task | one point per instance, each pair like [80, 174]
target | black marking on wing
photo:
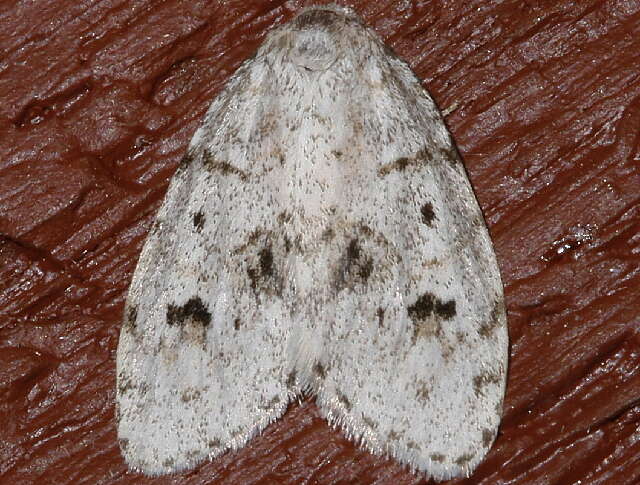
[428, 215]
[223, 167]
[190, 394]
[482, 380]
[198, 220]
[319, 370]
[355, 267]
[487, 327]
[427, 314]
[292, 379]
[356, 261]
[446, 310]
[285, 217]
[487, 437]
[193, 310]
[131, 317]
[328, 234]
[423, 391]
[214, 443]
[428, 304]
[403, 163]
[344, 400]
[185, 161]
[124, 444]
[262, 273]
[380, 315]
[412, 445]
[438, 457]
[262, 255]
[464, 459]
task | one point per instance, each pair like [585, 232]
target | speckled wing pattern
[320, 235]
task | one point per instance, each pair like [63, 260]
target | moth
[320, 236]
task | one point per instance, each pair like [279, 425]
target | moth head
[315, 44]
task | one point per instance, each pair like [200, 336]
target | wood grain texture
[99, 101]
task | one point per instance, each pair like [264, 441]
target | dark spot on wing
[284, 217]
[427, 314]
[344, 400]
[198, 220]
[365, 229]
[262, 273]
[132, 315]
[447, 350]
[412, 445]
[337, 153]
[487, 327]
[237, 323]
[157, 226]
[398, 165]
[185, 161]
[189, 395]
[125, 384]
[438, 457]
[223, 167]
[328, 234]
[481, 381]
[168, 463]
[214, 443]
[380, 314]
[266, 262]
[389, 52]
[355, 267]
[464, 459]
[423, 391]
[292, 379]
[446, 310]
[422, 308]
[193, 310]
[124, 444]
[427, 213]
[253, 237]
[403, 163]
[451, 154]
[487, 437]
[365, 269]
[319, 370]
[353, 251]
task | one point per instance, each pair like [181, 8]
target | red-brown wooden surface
[98, 100]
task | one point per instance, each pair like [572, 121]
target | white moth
[320, 236]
